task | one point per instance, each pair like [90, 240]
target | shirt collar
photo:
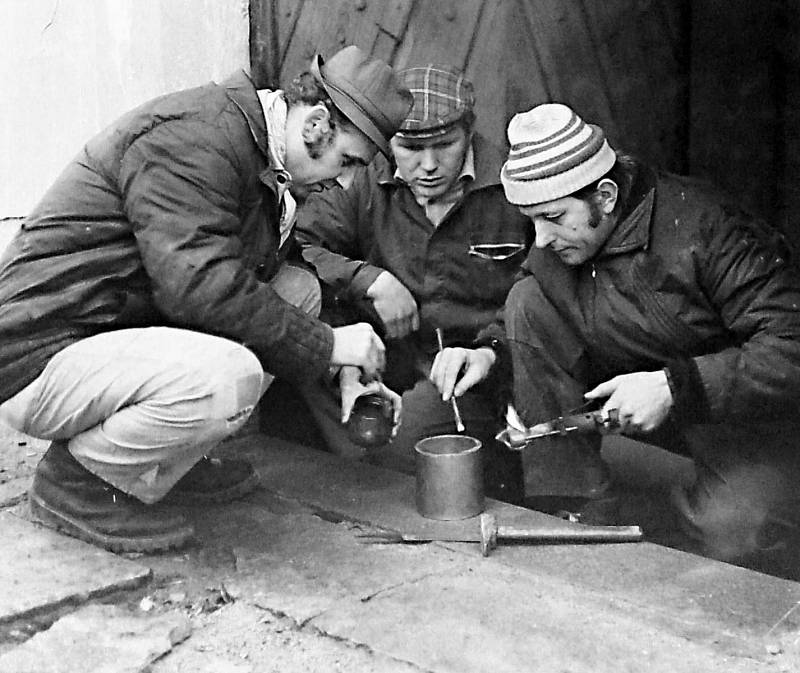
[633, 230]
[275, 109]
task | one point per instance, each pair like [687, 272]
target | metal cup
[371, 421]
[449, 477]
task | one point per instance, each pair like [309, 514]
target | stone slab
[494, 618]
[13, 491]
[691, 597]
[295, 562]
[101, 639]
[312, 565]
[42, 570]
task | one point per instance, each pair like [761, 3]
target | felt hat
[366, 90]
[442, 97]
[553, 153]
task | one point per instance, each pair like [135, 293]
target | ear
[316, 124]
[607, 192]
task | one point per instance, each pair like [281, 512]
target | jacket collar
[487, 156]
[633, 229]
[241, 90]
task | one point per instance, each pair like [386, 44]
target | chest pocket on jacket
[493, 265]
[496, 252]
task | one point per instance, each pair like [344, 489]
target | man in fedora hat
[421, 240]
[147, 303]
[673, 311]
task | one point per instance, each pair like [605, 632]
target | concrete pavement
[281, 581]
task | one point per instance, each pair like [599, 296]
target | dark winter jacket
[689, 282]
[459, 272]
[168, 217]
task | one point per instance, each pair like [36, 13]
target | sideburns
[316, 148]
[596, 213]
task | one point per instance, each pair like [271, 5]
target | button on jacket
[459, 272]
[168, 217]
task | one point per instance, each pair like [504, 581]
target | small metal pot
[449, 477]
[371, 421]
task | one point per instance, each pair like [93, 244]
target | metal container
[371, 421]
[449, 477]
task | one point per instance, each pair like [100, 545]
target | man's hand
[358, 345]
[448, 364]
[395, 305]
[642, 399]
[351, 388]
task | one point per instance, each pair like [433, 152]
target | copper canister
[449, 477]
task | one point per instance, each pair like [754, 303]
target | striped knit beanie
[553, 154]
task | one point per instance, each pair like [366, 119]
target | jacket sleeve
[182, 183]
[330, 230]
[750, 280]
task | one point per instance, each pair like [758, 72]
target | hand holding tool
[488, 533]
[456, 413]
[587, 422]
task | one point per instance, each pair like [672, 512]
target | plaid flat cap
[442, 96]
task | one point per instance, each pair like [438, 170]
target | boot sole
[248, 485]
[76, 528]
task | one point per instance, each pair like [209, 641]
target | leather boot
[214, 480]
[67, 496]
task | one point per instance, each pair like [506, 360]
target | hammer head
[488, 533]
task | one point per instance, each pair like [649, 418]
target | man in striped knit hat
[667, 307]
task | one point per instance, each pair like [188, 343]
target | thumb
[470, 378]
[605, 389]
[348, 401]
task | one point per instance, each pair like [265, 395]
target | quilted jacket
[688, 281]
[167, 217]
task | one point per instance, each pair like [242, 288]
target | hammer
[490, 533]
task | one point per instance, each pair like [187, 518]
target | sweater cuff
[497, 387]
[690, 404]
[363, 280]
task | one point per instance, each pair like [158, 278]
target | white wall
[68, 67]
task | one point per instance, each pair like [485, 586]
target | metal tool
[449, 477]
[459, 424]
[517, 438]
[489, 532]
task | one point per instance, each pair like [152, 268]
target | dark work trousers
[745, 500]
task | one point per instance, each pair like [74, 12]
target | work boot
[67, 496]
[214, 480]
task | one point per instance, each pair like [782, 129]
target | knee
[522, 304]
[241, 385]
[214, 396]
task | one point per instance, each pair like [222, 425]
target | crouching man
[671, 309]
[421, 242]
[146, 302]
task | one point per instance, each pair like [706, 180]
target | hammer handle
[574, 535]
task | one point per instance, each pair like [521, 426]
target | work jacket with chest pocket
[458, 272]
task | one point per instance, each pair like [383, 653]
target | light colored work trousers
[139, 407]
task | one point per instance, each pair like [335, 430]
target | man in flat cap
[425, 240]
[672, 310]
[146, 302]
